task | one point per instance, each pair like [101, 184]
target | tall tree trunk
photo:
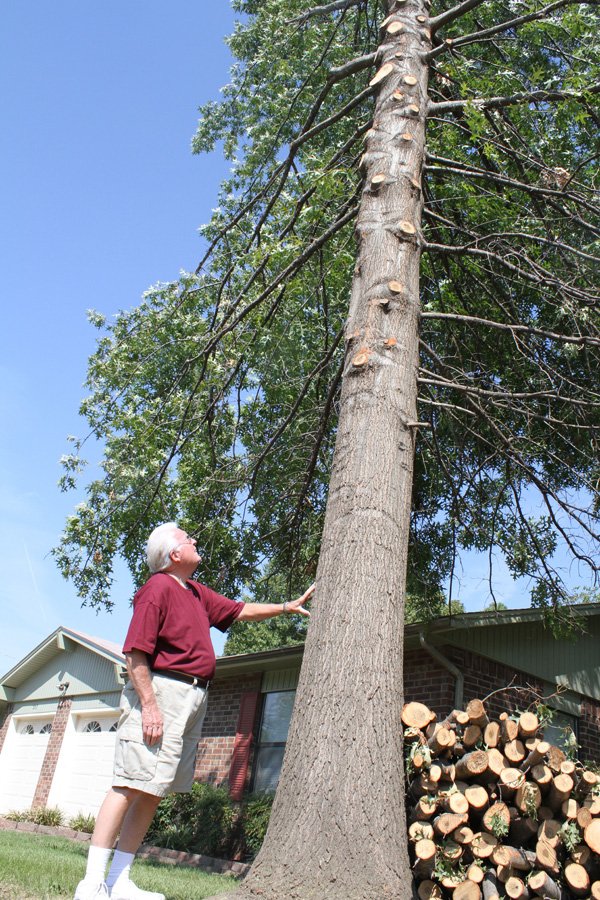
[338, 829]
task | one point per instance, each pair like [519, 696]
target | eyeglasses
[188, 540]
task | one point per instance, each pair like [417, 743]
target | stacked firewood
[494, 810]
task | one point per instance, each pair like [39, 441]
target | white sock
[119, 870]
[97, 862]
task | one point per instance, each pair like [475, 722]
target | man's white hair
[159, 546]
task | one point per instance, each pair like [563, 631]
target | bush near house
[83, 822]
[52, 815]
[207, 821]
[39, 815]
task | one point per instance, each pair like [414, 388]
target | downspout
[459, 683]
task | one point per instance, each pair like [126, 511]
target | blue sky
[101, 198]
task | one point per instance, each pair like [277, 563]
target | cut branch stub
[404, 230]
[378, 180]
[390, 342]
[412, 109]
[395, 287]
[406, 136]
[409, 79]
[384, 71]
[395, 28]
[380, 301]
[361, 358]
[398, 95]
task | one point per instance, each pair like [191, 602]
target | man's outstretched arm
[256, 612]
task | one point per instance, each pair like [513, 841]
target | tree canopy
[401, 264]
[216, 399]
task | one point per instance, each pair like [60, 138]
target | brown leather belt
[194, 680]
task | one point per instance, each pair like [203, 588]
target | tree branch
[453, 43]
[451, 14]
[512, 100]
[525, 329]
[324, 10]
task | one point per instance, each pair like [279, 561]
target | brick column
[59, 724]
[5, 724]
[589, 730]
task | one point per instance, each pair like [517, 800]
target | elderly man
[170, 662]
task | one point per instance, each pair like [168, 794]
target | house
[447, 662]
[59, 706]
[59, 709]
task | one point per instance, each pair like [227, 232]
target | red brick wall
[59, 723]
[589, 731]
[483, 676]
[5, 724]
[218, 734]
[425, 680]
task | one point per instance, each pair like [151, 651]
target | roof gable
[89, 665]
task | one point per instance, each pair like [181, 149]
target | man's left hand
[297, 606]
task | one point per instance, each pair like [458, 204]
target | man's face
[185, 549]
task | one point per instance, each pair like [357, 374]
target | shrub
[255, 819]
[83, 822]
[39, 815]
[17, 815]
[47, 815]
[207, 821]
[199, 822]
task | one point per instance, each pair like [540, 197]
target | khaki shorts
[168, 765]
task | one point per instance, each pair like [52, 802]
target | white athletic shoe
[91, 890]
[130, 891]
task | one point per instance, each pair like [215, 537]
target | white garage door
[85, 764]
[21, 761]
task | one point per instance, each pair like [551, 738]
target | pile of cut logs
[494, 810]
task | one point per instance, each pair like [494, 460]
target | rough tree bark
[337, 828]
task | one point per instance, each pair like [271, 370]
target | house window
[272, 735]
[113, 727]
[28, 729]
[562, 731]
[46, 729]
[93, 726]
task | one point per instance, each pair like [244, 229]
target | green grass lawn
[40, 867]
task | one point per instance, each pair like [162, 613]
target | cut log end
[591, 835]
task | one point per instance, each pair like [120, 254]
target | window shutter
[243, 741]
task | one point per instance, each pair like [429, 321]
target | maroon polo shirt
[172, 625]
